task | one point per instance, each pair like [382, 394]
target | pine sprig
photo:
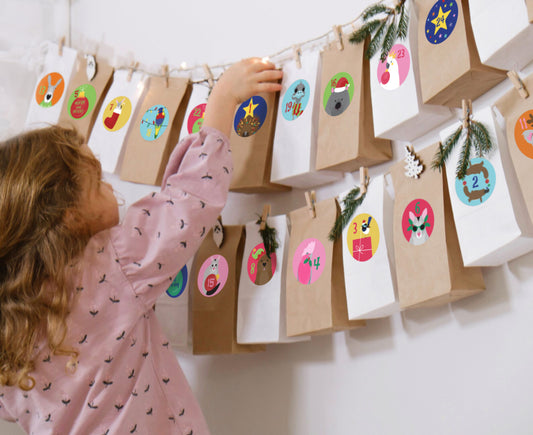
[375, 9]
[464, 159]
[269, 237]
[445, 151]
[403, 24]
[350, 203]
[388, 41]
[482, 137]
[364, 31]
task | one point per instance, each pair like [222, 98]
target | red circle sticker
[196, 118]
[417, 222]
[260, 266]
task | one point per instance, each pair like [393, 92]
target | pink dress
[128, 380]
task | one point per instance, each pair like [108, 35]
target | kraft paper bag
[515, 115]
[345, 126]
[316, 297]
[172, 309]
[429, 266]
[397, 107]
[529, 5]
[368, 255]
[114, 118]
[294, 152]
[49, 96]
[194, 115]
[502, 31]
[251, 138]
[483, 200]
[450, 68]
[155, 130]
[85, 95]
[261, 315]
[215, 279]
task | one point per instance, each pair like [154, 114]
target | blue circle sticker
[295, 100]
[154, 122]
[441, 21]
[250, 116]
[478, 184]
[178, 285]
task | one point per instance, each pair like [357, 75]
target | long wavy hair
[42, 176]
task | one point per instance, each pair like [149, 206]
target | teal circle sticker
[81, 101]
[338, 94]
[154, 122]
[177, 287]
[295, 100]
[478, 184]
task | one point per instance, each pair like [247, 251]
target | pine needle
[464, 158]
[350, 204]
[481, 137]
[375, 41]
[388, 42]
[364, 32]
[403, 25]
[374, 10]
[446, 149]
[269, 237]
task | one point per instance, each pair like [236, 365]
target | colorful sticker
[117, 113]
[523, 133]
[250, 116]
[363, 237]
[417, 222]
[260, 267]
[295, 100]
[196, 118]
[308, 262]
[478, 184]
[81, 101]
[393, 72]
[50, 90]
[177, 287]
[441, 21]
[213, 275]
[338, 94]
[154, 122]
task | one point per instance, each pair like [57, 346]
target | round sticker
[523, 133]
[117, 113]
[154, 122]
[478, 184]
[178, 285]
[50, 90]
[363, 237]
[81, 101]
[417, 222]
[250, 116]
[196, 118]
[338, 94]
[308, 261]
[393, 72]
[295, 100]
[213, 275]
[441, 21]
[260, 267]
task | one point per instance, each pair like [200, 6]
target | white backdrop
[460, 369]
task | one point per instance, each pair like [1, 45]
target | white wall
[459, 369]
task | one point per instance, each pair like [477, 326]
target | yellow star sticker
[250, 109]
[440, 21]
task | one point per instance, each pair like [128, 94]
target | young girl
[81, 351]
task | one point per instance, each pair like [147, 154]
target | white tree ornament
[413, 167]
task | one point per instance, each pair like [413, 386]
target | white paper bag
[489, 211]
[114, 119]
[172, 310]
[294, 149]
[194, 114]
[397, 106]
[368, 256]
[49, 96]
[261, 305]
[503, 33]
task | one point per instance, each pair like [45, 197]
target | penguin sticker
[213, 275]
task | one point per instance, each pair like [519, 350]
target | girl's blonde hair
[42, 174]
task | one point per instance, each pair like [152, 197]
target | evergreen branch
[464, 159]
[481, 137]
[403, 23]
[375, 41]
[350, 204]
[375, 9]
[444, 151]
[365, 31]
[269, 237]
[388, 42]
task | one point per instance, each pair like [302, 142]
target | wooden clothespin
[363, 179]
[518, 84]
[337, 33]
[209, 75]
[61, 45]
[218, 232]
[467, 112]
[297, 51]
[310, 199]
[264, 216]
[164, 70]
[134, 65]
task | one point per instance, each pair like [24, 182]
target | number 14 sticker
[308, 261]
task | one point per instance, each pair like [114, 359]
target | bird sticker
[154, 122]
[363, 237]
[213, 275]
[394, 70]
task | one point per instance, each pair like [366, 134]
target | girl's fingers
[269, 75]
[268, 87]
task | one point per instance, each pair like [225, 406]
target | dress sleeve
[161, 231]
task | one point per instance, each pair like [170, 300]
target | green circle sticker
[81, 101]
[338, 94]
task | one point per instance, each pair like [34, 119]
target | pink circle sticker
[417, 222]
[308, 261]
[260, 267]
[213, 275]
[393, 71]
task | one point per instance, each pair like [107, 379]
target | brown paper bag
[155, 130]
[251, 138]
[84, 96]
[345, 126]
[518, 114]
[529, 5]
[214, 283]
[429, 264]
[316, 297]
[450, 68]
